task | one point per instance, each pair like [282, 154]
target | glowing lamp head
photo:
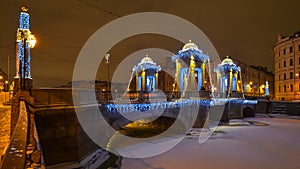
[31, 41]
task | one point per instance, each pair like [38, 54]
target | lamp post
[107, 61]
[29, 41]
[25, 41]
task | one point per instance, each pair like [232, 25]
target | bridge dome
[227, 61]
[146, 59]
[190, 45]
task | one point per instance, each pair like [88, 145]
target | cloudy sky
[245, 30]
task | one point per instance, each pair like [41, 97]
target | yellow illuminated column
[203, 73]
[143, 80]
[236, 81]
[156, 80]
[178, 67]
[136, 82]
[218, 81]
[191, 80]
[229, 90]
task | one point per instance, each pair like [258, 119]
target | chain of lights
[198, 55]
[228, 67]
[155, 106]
[173, 105]
[146, 66]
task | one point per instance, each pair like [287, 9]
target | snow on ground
[5, 127]
[273, 146]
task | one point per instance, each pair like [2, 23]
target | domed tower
[190, 63]
[146, 75]
[229, 79]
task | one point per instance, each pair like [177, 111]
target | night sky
[245, 30]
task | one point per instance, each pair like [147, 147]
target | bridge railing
[15, 154]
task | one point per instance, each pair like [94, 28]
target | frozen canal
[275, 146]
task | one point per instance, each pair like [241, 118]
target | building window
[291, 62]
[291, 75]
[291, 49]
[299, 60]
[299, 47]
[291, 87]
[279, 64]
[284, 76]
[278, 77]
[283, 51]
[284, 88]
[278, 88]
[284, 63]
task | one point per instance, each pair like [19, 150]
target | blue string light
[146, 66]
[183, 54]
[142, 107]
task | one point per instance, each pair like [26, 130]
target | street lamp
[107, 61]
[28, 40]
[25, 41]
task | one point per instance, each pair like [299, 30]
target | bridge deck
[5, 127]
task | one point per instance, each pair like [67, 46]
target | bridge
[46, 129]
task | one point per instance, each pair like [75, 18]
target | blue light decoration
[24, 19]
[228, 67]
[242, 101]
[187, 52]
[146, 64]
[198, 75]
[151, 83]
[25, 41]
[233, 84]
[142, 107]
[267, 91]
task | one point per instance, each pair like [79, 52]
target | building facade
[256, 80]
[287, 67]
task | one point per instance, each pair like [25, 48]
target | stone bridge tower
[229, 81]
[191, 64]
